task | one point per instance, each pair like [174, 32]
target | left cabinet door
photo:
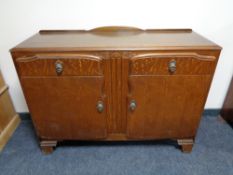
[65, 95]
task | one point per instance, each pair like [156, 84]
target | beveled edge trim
[58, 56]
[115, 29]
[175, 55]
[3, 89]
[151, 48]
[170, 30]
[59, 31]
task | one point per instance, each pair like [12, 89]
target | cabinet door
[167, 102]
[68, 103]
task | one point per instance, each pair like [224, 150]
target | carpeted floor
[212, 154]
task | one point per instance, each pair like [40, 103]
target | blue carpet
[212, 154]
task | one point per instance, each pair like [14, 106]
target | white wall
[211, 18]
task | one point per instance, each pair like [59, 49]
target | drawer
[60, 65]
[171, 63]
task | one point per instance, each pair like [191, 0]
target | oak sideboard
[116, 83]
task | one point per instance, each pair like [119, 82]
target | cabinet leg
[47, 146]
[186, 145]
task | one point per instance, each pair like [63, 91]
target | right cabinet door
[167, 93]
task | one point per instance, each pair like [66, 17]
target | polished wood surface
[69, 108]
[74, 65]
[158, 63]
[122, 39]
[167, 73]
[115, 29]
[9, 119]
[227, 108]
[168, 96]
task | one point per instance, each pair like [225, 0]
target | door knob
[172, 66]
[59, 67]
[132, 105]
[100, 106]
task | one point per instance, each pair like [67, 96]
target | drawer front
[60, 65]
[172, 63]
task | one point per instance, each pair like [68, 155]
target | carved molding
[115, 29]
[59, 56]
[175, 55]
[74, 64]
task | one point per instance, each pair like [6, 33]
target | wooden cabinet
[9, 119]
[116, 83]
[227, 108]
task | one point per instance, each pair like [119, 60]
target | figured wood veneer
[157, 63]
[103, 71]
[74, 65]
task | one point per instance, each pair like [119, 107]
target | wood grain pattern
[118, 120]
[167, 106]
[116, 65]
[115, 39]
[157, 63]
[74, 64]
[69, 108]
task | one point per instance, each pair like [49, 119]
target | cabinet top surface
[122, 39]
